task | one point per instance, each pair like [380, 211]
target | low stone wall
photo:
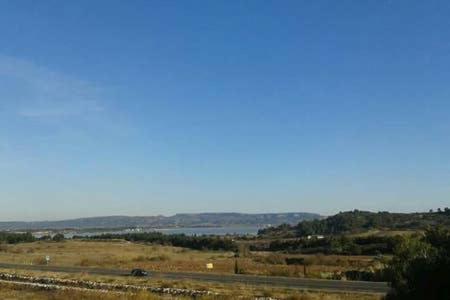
[54, 283]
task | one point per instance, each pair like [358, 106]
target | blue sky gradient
[159, 107]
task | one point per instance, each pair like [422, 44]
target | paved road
[272, 281]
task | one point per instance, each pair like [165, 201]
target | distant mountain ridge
[178, 220]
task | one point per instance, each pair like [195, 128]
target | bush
[58, 237]
[14, 238]
[420, 267]
[295, 261]
[360, 275]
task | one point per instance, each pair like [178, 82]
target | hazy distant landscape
[178, 220]
[358, 250]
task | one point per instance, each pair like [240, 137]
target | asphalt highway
[267, 281]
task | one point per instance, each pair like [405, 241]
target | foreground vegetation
[420, 267]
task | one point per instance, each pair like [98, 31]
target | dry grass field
[126, 255]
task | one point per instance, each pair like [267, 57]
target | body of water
[232, 230]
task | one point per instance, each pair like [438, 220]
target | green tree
[58, 237]
[420, 267]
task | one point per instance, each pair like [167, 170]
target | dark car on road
[139, 273]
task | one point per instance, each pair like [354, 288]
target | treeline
[343, 245]
[177, 240]
[14, 238]
[359, 221]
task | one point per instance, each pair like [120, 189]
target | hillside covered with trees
[357, 221]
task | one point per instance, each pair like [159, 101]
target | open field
[126, 255]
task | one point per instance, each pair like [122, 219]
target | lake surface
[235, 230]
[212, 230]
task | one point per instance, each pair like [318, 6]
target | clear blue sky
[159, 107]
